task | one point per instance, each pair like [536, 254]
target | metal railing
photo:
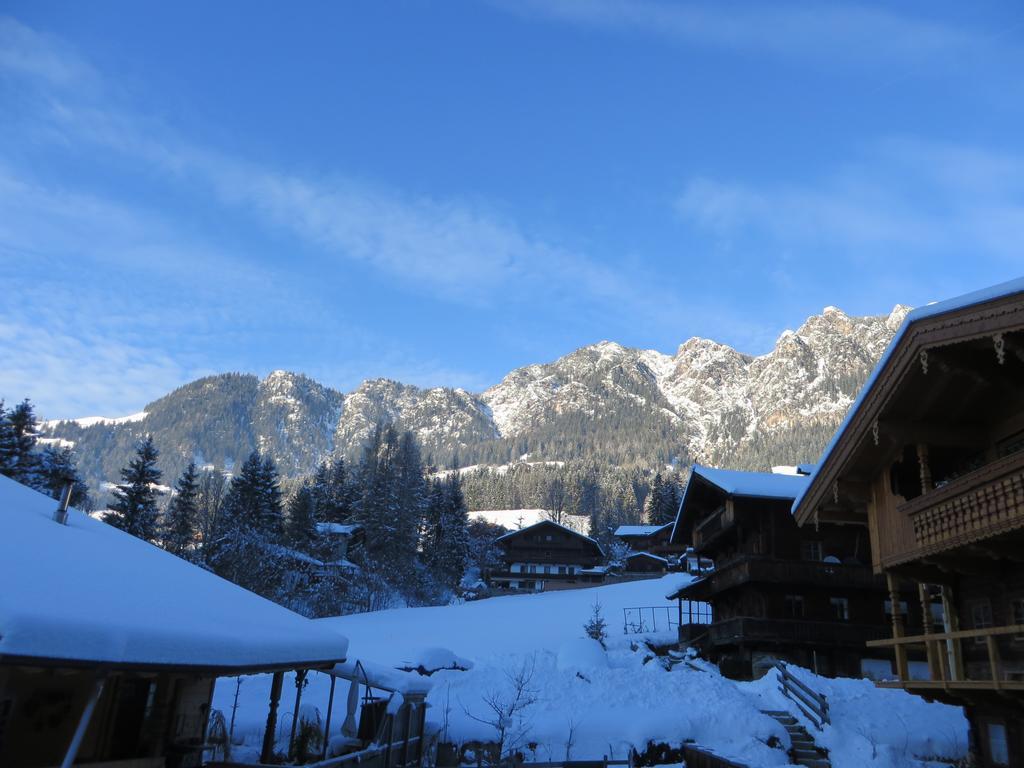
[656, 618]
[813, 704]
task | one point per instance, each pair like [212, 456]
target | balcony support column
[926, 471]
[902, 669]
[931, 649]
[954, 655]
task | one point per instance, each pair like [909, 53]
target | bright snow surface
[612, 700]
[760, 484]
[86, 591]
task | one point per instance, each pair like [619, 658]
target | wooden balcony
[978, 505]
[712, 526]
[945, 661]
[793, 631]
[754, 568]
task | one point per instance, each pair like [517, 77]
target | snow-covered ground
[591, 702]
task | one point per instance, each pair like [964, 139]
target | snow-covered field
[591, 702]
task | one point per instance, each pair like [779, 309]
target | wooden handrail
[963, 634]
[813, 704]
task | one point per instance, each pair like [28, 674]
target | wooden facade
[546, 556]
[930, 462]
[777, 591]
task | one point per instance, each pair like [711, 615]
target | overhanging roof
[804, 504]
[88, 594]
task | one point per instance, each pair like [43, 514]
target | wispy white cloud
[836, 31]
[904, 197]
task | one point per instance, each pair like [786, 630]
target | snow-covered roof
[766, 485]
[337, 528]
[640, 530]
[557, 525]
[934, 309]
[646, 554]
[88, 593]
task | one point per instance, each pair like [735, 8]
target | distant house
[656, 539]
[547, 556]
[110, 647]
[339, 538]
[778, 592]
[645, 562]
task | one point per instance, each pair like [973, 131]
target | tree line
[345, 538]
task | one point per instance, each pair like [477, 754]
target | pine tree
[25, 429]
[300, 526]
[245, 544]
[445, 544]
[134, 509]
[181, 521]
[8, 443]
[57, 469]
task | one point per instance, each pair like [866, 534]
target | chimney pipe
[61, 515]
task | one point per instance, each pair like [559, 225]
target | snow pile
[870, 725]
[431, 660]
[582, 655]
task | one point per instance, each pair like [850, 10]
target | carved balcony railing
[746, 629]
[981, 504]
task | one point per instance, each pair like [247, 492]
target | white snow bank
[90, 421]
[86, 591]
[582, 655]
[874, 726]
[497, 625]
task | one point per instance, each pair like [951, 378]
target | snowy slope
[611, 701]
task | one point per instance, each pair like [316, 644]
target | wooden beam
[902, 668]
[267, 755]
[913, 432]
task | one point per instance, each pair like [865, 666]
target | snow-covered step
[804, 750]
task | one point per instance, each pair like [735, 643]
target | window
[981, 617]
[532, 568]
[561, 570]
[515, 568]
[888, 608]
[1017, 615]
[572, 570]
[840, 608]
[810, 550]
[513, 585]
[795, 606]
[998, 749]
[547, 569]
[548, 537]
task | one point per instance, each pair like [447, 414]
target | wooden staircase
[804, 752]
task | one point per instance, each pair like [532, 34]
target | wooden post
[902, 669]
[994, 662]
[934, 670]
[926, 471]
[267, 755]
[953, 647]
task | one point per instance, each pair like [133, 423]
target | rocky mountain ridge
[604, 402]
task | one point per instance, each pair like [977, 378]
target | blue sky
[441, 192]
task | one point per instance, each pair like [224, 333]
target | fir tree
[445, 544]
[181, 521]
[57, 469]
[8, 443]
[134, 509]
[25, 429]
[300, 526]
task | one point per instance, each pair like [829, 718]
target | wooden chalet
[645, 562]
[777, 592]
[110, 647]
[546, 556]
[930, 463]
[656, 539]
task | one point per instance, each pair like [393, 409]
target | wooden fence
[813, 704]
